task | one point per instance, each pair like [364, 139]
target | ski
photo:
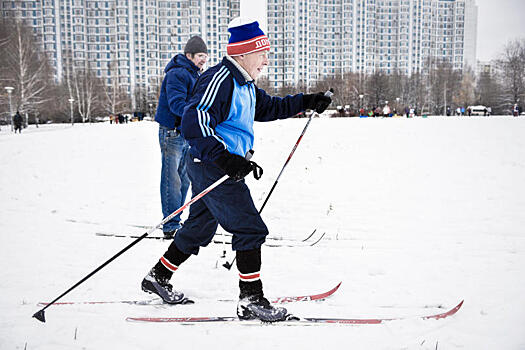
[281, 242]
[158, 301]
[275, 238]
[117, 235]
[307, 244]
[293, 320]
[100, 224]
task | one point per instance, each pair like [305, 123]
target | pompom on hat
[246, 37]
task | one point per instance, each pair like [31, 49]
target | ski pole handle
[329, 93]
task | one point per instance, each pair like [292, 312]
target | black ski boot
[156, 285]
[169, 234]
[258, 307]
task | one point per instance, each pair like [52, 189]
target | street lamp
[150, 109]
[71, 100]
[9, 90]
[397, 104]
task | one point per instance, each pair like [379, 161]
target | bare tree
[397, 89]
[25, 67]
[345, 89]
[86, 89]
[489, 92]
[116, 99]
[350, 91]
[512, 66]
[377, 88]
[416, 91]
[465, 95]
[443, 82]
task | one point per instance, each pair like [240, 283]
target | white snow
[418, 213]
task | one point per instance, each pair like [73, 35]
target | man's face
[254, 63]
[198, 59]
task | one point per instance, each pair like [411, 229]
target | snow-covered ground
[418, 213]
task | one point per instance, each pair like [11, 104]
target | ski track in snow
[418, 213]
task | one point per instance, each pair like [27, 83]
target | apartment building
[312, 39]
[130, 41]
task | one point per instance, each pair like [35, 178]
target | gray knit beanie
[195, 45]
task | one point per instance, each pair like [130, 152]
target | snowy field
[419, 214]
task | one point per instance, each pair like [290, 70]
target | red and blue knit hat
[246, 37]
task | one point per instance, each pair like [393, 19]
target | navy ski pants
[230, 204]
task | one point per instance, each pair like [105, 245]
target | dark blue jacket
[221, 112]
[175, 92]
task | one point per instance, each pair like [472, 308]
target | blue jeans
[230, 204]
[174, 181]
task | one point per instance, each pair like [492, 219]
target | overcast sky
[498, 22]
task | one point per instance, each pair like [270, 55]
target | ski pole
[328, 93]
[286, 162]
[39, 315]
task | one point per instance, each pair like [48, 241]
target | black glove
[237, 167]
[317, 101]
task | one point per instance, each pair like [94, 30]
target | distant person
[489, 111]
[386, 111]
[18, 121]
[448, 112]
[516, 110]
[181, 74]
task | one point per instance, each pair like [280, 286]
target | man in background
[181, 73]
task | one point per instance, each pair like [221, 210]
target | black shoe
[154, 285]
[169, 234]
[258, 307]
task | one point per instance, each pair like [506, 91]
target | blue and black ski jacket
[224, 105]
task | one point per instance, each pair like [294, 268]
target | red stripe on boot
[250, 277]
[168, 265]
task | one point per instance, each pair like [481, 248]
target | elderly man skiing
[218, 124]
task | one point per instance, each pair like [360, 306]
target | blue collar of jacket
[237, 74]
[180, 60]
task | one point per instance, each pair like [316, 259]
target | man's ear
[189, 56]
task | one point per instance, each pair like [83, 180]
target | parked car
[478, 110]
[102, 119]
